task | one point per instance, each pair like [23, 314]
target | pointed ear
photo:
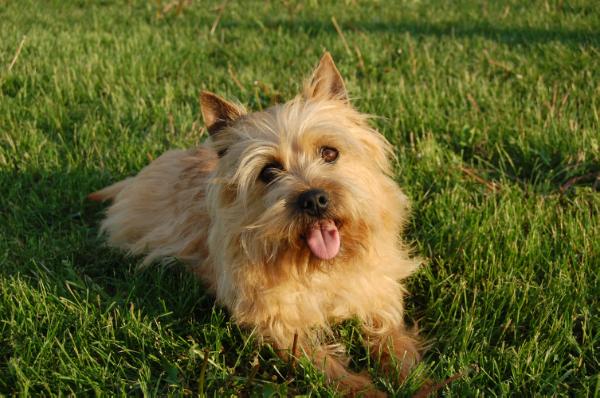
[217, 112]
[326, 81]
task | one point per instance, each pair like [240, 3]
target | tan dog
[290, 217]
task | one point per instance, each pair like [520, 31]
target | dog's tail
[109, 192]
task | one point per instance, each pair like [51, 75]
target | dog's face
[306, 182]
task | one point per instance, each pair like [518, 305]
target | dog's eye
[270, 171]
[329, 154]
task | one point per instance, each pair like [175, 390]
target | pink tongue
[324, 240]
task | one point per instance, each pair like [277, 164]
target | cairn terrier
[292, 220]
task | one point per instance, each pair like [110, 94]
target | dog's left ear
[326, 81]
[217, 112]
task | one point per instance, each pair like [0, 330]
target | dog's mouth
[323, 239]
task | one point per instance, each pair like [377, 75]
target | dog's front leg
[396, 348]
[334, 365]
[333, 362]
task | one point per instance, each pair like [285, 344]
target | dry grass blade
[17, 53]
[341, 34]
[574, 180]
[221, 9]
[491, 186]
[293, 356]
[234, 78]
[429, 389]
[473, 103]
[178, 5]
[361, 62]
[201, 380]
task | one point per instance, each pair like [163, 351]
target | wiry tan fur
[243, 238]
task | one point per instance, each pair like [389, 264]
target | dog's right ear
[217, 113]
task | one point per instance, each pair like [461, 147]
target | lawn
[493, 108]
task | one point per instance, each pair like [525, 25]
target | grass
[493, 108]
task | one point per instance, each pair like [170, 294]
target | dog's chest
[335, 296]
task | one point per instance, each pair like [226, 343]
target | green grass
[493, 108]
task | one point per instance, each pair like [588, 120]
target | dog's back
[161, 212]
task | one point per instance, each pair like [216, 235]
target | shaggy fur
[247, 240]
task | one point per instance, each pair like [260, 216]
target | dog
[291, 219]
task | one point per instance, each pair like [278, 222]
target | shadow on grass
[467, 29]
[545, 168]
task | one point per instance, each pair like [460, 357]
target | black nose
[313, 202]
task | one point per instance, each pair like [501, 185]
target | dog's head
[304, 183]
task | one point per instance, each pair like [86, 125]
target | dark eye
[270, 171]
[329, 154]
